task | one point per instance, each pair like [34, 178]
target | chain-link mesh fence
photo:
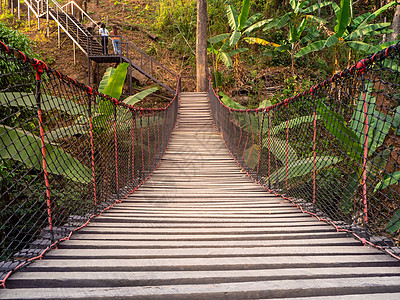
[67, 153]
[333, 150]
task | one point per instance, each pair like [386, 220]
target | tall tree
[201, 46]
[396, 25]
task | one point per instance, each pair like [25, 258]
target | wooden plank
[256, 289]
[213, 263]
[208, 252]
[207, 237]
[201, 231]
[123, 244]
[99, 279]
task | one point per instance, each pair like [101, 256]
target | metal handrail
[72, 3]
[132, 45]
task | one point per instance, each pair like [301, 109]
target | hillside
[256, 75]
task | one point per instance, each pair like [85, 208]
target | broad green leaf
[346, 201]
[230, 102]
[237, 51]
[379, 126]
[225, 46]
[316, 19]
[131, 100]
[388, 181]
[244, 14]
[257, 25]
[334, 123]
[357, 21]
[106, 78]
[264, 104]
[331, 41]
[343, 18]
[311, 35]
[233, 19]
[25, 147]
[116, 82]
[252, 19]
[378, 163]
[251, 155]
[293, 123]
[303, 167]
[316, 6]
[357, 124]
[68, 131]
[253, 40]
[361, 46]
[366, 30]
[377, 13]
[226, 59]
[318, 45]
[294, 4]
[300, 29]
[235, 37]
[336, 8]
[219, 38]
[394, 224]
[280, 149]
[48, 102]
[271, 24]
[396, 121]
[283, 20]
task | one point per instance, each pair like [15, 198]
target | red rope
[314, 153]
[365, 158]
[259, 141]
[46, 175]
[116, 149]
[141, 136]
[133, 146]
[148, 138]
[93, 162]
[287, 153]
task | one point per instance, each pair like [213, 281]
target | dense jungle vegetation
[258, 49]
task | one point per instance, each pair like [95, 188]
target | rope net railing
[67, 153]
[333, 150]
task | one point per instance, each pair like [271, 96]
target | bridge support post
[201, 46]
[47, 19]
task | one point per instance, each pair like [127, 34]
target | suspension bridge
[297, 200]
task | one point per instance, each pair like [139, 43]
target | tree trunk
[396, 25]
[77, 13]
[201, 46]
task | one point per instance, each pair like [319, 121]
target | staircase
[90, 45]
[199, 228]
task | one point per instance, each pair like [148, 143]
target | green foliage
[388, 181]
[131, 100]
[302, 167]
[230, 102]
[394, 224]
[15, 39]
[298, 21]
[116, 81]
[25, 147]
[351, 32]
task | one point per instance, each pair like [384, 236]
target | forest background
[260, 51]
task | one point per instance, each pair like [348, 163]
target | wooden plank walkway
[199, 228]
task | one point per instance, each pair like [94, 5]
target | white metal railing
[42, 7]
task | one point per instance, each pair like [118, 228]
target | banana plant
[225, 46]
[281, 150]
[299, 20]
[351, 32]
